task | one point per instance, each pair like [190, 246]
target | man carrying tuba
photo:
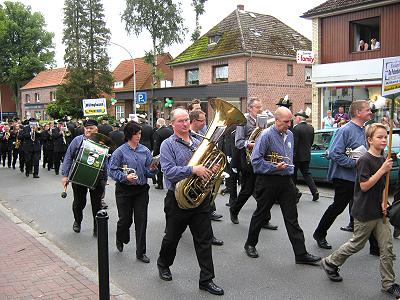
[175, 153]
[243, 143]
[31, 147]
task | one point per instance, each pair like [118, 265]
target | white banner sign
[94, 107]
[305, 57]
[391, 76]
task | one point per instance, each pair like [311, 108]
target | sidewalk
[30, 270]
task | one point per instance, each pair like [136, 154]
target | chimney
[240, 7]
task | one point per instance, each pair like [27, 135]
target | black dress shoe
[298, 196]
[35, 176]
[76, 227]
[120, 245]
[321, 242]
[164, 273]
[308, 259]
[211, 287]
[216, 242]
[270, 226]
[215, 217]
[143, 258]
[251, 251]
[347, 228]
[315, 197]
[26, 174]
[159, 187]
[234, 218]
[227, 204]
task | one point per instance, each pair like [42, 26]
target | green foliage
[199, 10]
[25, 45]
[86, 38]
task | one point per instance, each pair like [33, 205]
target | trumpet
[7, 135]
[263, 121]
[274, 158]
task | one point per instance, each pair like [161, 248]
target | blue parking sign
[141, 97]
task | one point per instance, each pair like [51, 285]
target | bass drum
[86, 167]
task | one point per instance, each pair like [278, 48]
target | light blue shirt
[271, 140]
[139, 159]
[174, 157]
[340, 165]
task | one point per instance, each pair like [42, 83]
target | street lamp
[134, 75]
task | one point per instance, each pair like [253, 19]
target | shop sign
[94, 107]
[305, 57]
[391, 76]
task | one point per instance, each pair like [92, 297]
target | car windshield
[322, 140]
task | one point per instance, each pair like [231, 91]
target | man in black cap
[59, 138]
[32, 148]
[80, 191]
[303, 139]
[104, 127]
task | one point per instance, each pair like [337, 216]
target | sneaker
[394, 290]
[331, 270]
[396, 232]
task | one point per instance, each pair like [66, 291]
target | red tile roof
[52, 77]
[124, 72]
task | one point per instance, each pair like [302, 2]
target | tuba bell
[192, 191]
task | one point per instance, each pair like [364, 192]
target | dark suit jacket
[118, 137]
[105, 129]
[160, 135]
[28, 144]
[303, 134]
[58, 141]
[147, 136]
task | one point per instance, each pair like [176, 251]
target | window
[53, 96]
[27, 98]
[37, 99]
[119, 112]
[214, 39]
[362, 32]
[192, 77]
[289, 70]
[220, 74]
[322, 140]
[307, 74]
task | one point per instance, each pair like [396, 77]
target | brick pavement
[29, 270]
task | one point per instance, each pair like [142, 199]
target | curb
[84, 271]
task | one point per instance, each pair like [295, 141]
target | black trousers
[79, 202]
[246, 191]
[200, 226]
[159, 177]
[132, 200]
[48, 159]
[32, 161]
[15, 153]
[271, 188]
[6, 153]
[57, 158]
[344, 193]
[303, 166]
[21, 159]
[231, 185]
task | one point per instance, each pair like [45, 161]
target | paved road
[274, 275]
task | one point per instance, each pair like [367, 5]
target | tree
[85, 37]
[161, 18]
[199, 10]
[25, 46]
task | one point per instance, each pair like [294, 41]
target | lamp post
[134, 75]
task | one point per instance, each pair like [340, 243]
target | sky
[288, 11]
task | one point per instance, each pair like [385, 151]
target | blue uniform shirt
[174, 157]
[71, 154]
[138, 159]
[271, 140]
[340, 165]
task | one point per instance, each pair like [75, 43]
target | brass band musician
[31, 147]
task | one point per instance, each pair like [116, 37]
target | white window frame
[119, 112]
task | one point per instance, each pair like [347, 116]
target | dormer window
[214, 39]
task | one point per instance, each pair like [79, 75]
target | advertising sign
[305, 57]
[391, 76]
[94, 107]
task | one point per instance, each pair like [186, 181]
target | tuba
[263, 121]
[191, 192]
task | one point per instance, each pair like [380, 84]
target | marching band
[193, 165]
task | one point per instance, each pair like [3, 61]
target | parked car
[322, 140]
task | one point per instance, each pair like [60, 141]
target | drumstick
[64, 194]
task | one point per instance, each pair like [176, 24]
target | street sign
[141, 97]
[391, 76]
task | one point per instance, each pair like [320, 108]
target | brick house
[8, 109]
[342, 72]
[39, 92]
[245, 55]
[123, 83]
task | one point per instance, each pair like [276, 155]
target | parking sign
[141, 97]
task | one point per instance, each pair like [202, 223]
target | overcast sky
[288, 11]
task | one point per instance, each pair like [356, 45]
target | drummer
[80, 191]
[130, 166]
